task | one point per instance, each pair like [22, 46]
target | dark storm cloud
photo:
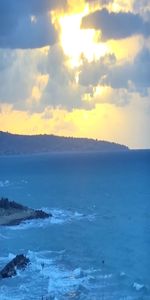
[16, 28]
[29, 6]
[92, 73]
[61, 90]
[137, 73]
[134, 76]
[116, 25]
[17, 76]
[19, 73]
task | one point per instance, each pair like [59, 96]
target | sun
[79, 43]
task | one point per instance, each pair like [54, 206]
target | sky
[76, 68]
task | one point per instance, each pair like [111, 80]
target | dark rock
[6, 204]
[36, 214]
[40, 214]
[12, 213]
[17, 263]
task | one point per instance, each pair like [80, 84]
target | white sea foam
[3, 237]
[4, 183]
[5, 295]
[47, 276]
[6, 259]
[122, 274]
[59, 217]
[138, 286]
[64, 283]
[8, 183]
[66, 216]
[63, 216]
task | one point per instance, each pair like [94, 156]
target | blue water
[97, 244]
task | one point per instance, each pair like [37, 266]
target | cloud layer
[133, 76]
[45, 93]
[116, 25]
[27, 24]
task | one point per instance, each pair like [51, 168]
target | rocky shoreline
[20, 262]
[12, 213]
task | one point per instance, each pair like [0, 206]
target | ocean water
[97, 244]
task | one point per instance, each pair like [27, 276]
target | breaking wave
[58, 217]
[48, 276]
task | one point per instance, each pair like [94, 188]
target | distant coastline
[14, 144]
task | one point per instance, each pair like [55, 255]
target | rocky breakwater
[12, 213]
[20, 262]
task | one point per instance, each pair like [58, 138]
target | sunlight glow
[78, 44]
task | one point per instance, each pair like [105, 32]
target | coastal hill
[34, 144]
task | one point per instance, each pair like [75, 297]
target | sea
[96, 246]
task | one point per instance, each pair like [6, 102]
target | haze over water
[96, 245]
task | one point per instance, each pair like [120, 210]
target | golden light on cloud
[105, 121]
[121, 5]
[78, 43]
[126, 49]
[79, 122]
